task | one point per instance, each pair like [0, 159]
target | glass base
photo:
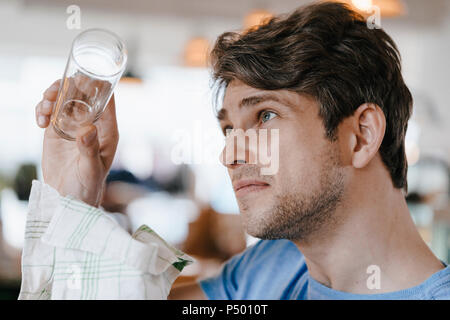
[61, 133]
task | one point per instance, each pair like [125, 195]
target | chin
[255, 220]
[260, 232]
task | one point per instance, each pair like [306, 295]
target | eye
[267, 115]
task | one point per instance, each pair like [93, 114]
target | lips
[243, 187]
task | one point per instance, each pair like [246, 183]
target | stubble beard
[297, 216]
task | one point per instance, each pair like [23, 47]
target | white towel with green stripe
[76, 251]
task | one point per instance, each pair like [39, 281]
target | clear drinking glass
[96, 63]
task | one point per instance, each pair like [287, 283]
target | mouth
[244, 187]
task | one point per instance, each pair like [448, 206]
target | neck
[375, 228]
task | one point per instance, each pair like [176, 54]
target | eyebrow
[249, 102]
[254, 100]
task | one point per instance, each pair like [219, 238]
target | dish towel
[76, 251]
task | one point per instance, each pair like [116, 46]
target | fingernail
[87, 139]
[42, 120]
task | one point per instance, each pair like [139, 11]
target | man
[333, 217]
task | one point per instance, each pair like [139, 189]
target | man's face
[301, 195]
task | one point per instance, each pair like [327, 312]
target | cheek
[300, 161]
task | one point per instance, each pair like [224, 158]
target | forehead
[237, 91]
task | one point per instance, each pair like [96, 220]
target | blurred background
[166, 173]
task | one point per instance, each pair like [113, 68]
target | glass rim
[115, 37]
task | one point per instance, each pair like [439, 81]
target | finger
[42, 119]
[88, 145]
[108, 132]
[107, 124]
[45, 107]
[52, 91]
[108, 117]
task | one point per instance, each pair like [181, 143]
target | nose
[229, 160]
[240, 148]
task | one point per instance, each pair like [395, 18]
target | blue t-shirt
[276, 270]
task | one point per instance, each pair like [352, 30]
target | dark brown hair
[327, 51]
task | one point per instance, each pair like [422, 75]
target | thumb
[87, 142]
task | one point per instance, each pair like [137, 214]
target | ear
[368, 126]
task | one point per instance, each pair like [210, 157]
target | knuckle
[47, 106]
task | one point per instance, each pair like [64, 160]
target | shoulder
[264, 269]
[439, 288]
[261, 258]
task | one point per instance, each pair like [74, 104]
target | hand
[78, 168]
